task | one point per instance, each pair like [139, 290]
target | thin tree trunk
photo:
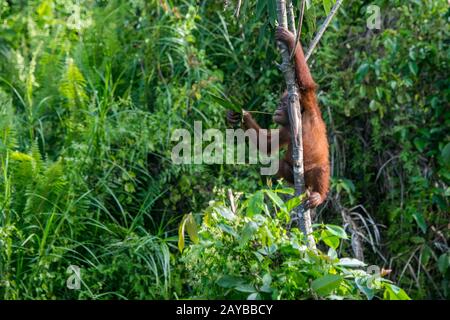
[295, 120]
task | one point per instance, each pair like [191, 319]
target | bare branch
[291, 16]
[322, 29]
[300, 25]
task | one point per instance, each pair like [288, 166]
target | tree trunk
[303, 216]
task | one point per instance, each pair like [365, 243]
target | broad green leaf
[337, 231]
[426, 255]
[267, 281]
[255, 204]
[226, 103]
[228, 229]
[254, 296]
[370, 293]
[332, 253]
[268, 250]
[327, 4]
[418, 216]
[393, 292]
[276, 199]
[351, 263]
[293, 203]
[417, 240]
[445, 154]
[413, 68]
[326, 284]
[225, 212]
[330, 239]
[181, 234]
[243, 287]
[420, 144]
[228, 281]
[443, 262]
[362, 72]
[191, 228]
[247, 232]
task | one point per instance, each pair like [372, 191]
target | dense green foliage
[89, 99]
[249, 255]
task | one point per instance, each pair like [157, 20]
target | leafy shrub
[249, 254]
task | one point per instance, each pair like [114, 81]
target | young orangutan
[315, 144]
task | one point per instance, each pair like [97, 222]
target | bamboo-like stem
[291, 17]
[299, 29]
[322, 29]
[295, 121]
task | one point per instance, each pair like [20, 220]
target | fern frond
[73, 85]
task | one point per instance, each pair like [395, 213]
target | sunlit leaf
[337, 231]
[393, 292]
[326, 284]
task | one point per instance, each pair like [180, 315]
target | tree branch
[291, 16]
[322, 29]
[299, 29]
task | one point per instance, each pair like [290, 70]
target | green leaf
[370, 293]
[337, 231]
[417, 240]
[191, 228]
[351, 263]
[393, 292]
[413, 68]
[267, 281]
[418, 216]
[285, 191]
[228, 229]
[247, 232]
[255, 204]
[362, 72]
[225, 212]
[330, 240]
[426, 255]
[420, 144]
[326, 284]
[443, 263]
[226, 103]
[445, 154]
[181, 234]
[228, 281]
[267, 251]
[243, 287]
[293, 203]
[276, 199]
[254, 296]
[327, 4]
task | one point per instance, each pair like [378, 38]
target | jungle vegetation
[91, 91]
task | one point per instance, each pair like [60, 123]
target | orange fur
[315, 144]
